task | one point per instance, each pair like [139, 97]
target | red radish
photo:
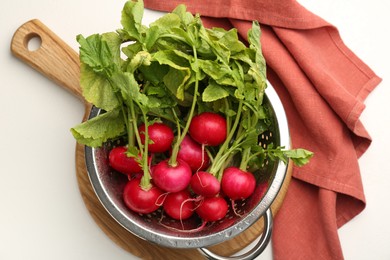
[237, 184]
[160, 135]
[208, 128]
[172, 178]
[122, 163]
[179, 205]
[205, 184]
[212, 209]
[192, 153]
[139, 200]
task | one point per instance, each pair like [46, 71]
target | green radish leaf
[96, 53]
[299, 156]
[131, 21]
[154, 73]
[132, 49]
[258, 68]
[160, 97]
[97, 89]
[129, 88]
[218, 48]
[180, 37]
[141, 58]
[221, 73]
[160, 27]
[113, 41]
[98, 130]
[172, 58]
[178, 73]
[175, 81]
[214, 92]
[231, 41]
[185, 17]
[254, 35]
[251, 139]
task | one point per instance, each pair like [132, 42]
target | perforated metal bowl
[108, 186]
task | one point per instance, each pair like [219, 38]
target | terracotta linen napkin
[322, 85]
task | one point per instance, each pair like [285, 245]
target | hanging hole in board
[33, 42]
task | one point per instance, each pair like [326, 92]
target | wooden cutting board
[60, 63]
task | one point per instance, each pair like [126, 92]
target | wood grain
[54, 58]
[60, 63]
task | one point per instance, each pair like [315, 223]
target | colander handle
[255, 251]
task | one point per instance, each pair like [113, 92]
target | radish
[160, 135]
[208, 128]
[194, 154]
[237, 184]
[122, 163]
[172, 178]
[205, 184]
[212, 209]
[140, 200]
[179, 205]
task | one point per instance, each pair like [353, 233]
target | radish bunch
[182, 186]
[187, 102]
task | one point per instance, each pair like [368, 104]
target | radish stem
[145, 180]
[176, 147]
[221, 155]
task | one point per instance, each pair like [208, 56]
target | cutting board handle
[53, 58]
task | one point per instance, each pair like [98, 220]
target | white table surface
[42, 213]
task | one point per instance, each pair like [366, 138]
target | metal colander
[109, 185]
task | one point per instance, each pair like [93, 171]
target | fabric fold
[281, 13]
[322, 85]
